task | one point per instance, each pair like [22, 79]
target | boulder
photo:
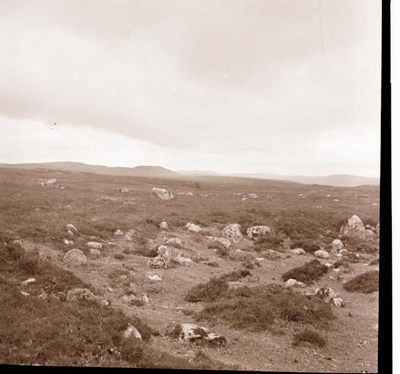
[78, 294]
[68, 242]
[194, 333]
[292, 283]
[325, 293]
[232, 232]
[163, 259]
[161, 193]
[337, 246]
[132, 331]
[337, 301]
[353, 228]
[163, 225]
[94, 245]
[46, 182]
[75, 257]
[252, 196]
[174, 242]
[321, 254]
[224, 242]
[256, 232]
[193, 227]
[298, 251]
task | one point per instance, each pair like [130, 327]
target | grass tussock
[308, 273]
[365, 283]
[309, 336]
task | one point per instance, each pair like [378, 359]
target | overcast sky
[269, 86]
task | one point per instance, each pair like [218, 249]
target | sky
[257, 86]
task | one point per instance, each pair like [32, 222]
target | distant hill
[338, 180]
[138, 171]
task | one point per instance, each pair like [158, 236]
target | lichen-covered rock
[232, 232]
[75, 257]
[195, 334]
[355, 228]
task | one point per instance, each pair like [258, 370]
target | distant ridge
[138, 171]
[337, 180]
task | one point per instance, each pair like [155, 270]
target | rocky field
[211, 273]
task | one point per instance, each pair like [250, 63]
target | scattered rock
[194, 333]
[298, 251]
[75, 257]
[94, 245]
[321, 254]
[179, 259]
[163, 225]
[46, 182]
[163, 259]
[118, 233]
[252, 196]
[244, 198]
[162, 193]
[377, 229]
[153, 277]
[193, 227]
[329, 295]
[292, 283]
[23, 293]
[123, 189]
[68, 242]
[375, 204]
[336, 200]
[72, 228]
[224, 242]
[232, 232]
[256, 232]
[337, 301]
[337, 245]
[189, 193]
[129, 234]
[302, 196]
[175, 242]
[132, 330]
[28, 281]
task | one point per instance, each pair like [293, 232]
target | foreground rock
[195, 334]
[75, 257]
[233, 233]
[162, 193]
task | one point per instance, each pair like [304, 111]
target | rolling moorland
[96, 270]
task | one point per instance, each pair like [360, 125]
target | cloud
[212, 77]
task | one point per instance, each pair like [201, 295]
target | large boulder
[256, 232]
[161, 193]
[355, 228]
[75, 257]
[232, 232]
[194, 333]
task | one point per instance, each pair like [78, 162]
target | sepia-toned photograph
[190, 184]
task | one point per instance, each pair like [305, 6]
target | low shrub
[309, 336]
[365, 283]
[257, 308]
[308, 273]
